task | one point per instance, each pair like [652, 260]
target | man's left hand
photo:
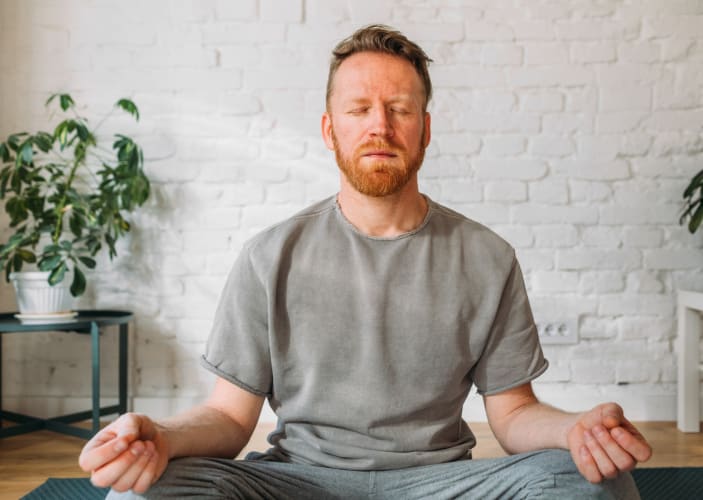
[603, 443]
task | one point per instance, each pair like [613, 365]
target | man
[365, 319]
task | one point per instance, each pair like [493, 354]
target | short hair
[386, 40]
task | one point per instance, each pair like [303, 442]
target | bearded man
[365, 320]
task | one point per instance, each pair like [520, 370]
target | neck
[387, 216]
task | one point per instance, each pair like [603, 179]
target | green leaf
[65, 101]
[25, 153]
[129, 107]
[57, 274]
[88, 262]
[5, 152]
[78, 285]
[696, 219]
[47, 264]
[44, 141]
[696, 183]
[27, 255]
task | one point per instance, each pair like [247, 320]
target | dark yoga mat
[664, 483]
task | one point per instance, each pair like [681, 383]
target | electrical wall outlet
[558, 332]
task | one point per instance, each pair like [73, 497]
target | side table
[86, 322]
[690, 306]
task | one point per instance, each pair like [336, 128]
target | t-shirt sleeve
[238, 347]
[512, 355]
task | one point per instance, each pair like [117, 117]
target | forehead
[366, 72]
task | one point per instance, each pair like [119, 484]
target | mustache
[377, 145]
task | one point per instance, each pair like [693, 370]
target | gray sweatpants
[542, 474]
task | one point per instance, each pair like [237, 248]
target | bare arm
[133, 451]
[602, 442]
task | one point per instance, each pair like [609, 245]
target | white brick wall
[571, 128]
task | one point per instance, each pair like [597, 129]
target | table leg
[688, 413]
[123, 378]
[95, 344]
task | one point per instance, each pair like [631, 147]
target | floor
[27, 461]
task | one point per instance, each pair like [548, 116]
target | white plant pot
[35, 296]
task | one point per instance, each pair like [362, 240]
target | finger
[622, 460]
[612, 415]
[127, 480]
[632, 442]
[110, 473]
[148, 475]
[603, 462]
[103, 454]
[587, 465]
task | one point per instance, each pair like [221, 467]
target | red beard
[378, 178]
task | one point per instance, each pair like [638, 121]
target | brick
[593, 52]
[638, 214]
[502, 55]
[242, 10]
[272, 11]
[542, 100]
[457, 144]
[546, 53]
[555, 236]
[509, 169]
[640, 304]
[290, 192]
[598, 259]
[602, 147]
[499, 122]
[533, 259]
[666, 26]
[534, 30]
[599, 282]
[503, 145]
[460, 191]
[645, 281]
[326, 11]
[593, 327]
[557, 372]
[242, 33]
[658, 328]
[592, 169]
[464, 75]
[596, 29]
[559, 74]
[633, 372]
[554, 281]
[592, 372]
[674, 120]
[636, 144]
[601, 237]
[564, 123]
[549, 192]
[643, 237]
[485, 213]
[492, 100]
[551, 146]
[488, 31]
[435, 32]
[550, 214]
[672, 259]
[630, 98]
[619, 121]
[517, 236]
[506, 191]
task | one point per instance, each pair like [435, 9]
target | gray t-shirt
[367, 347]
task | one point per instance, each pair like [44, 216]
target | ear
[326, 126]
[428, 129]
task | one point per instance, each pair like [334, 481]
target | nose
[381, 125]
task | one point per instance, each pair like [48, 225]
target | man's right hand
[131, 453]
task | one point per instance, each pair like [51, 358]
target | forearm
[534, 426]
[203, 431]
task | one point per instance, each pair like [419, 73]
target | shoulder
[473, 236]
[274, 237]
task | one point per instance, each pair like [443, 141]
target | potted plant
[66, 195]
[693, 209]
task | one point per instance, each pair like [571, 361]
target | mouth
[379, 154]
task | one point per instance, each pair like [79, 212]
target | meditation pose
[365, 320]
